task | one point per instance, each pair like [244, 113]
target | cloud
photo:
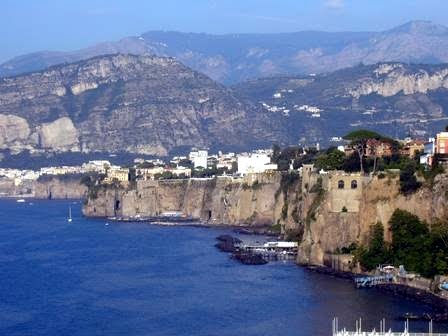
[334, 4]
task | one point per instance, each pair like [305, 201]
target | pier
[371, 281]
[382, 330]
[271, 250]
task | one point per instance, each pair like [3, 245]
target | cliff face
[216, 201]
[312, 209]
[57, 188]
[333, 228]
[125, 103]
[48, 187]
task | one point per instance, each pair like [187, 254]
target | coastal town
[199, 163]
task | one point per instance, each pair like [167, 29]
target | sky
[35, 25]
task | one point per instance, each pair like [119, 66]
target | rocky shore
[439, 304]
[227, 243]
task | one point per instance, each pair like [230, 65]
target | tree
[276, 150]
[333, 159]
[408, 181]
[411, 243]
[377, 252]
[146, 165]
[359, 141]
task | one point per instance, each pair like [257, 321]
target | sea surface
[94, 277]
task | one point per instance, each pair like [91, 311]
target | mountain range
[395, 99]
[127, 103]
[234, 58]
[155, 105]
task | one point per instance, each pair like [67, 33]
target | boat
[20, 200]
[69, 214]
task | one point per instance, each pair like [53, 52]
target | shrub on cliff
[408, 180]
[377, 252]
[411, 243]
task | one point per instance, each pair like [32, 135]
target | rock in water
[250, 259]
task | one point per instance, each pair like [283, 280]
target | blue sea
[91, 277]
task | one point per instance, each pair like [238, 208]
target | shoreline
[436, 302]
[194, 222]
[429, 298]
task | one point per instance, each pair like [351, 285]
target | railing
[387, 333]
[382, 332]
[370, 281]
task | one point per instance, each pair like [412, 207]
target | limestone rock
[13, 130]
[139, 104]
[59, 135]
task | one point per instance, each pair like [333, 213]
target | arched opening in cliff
[341, 184]
[117, 205]
[354, 184]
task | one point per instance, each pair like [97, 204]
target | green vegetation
[332, 159]
[359, 141]
[257, 185]
[62, 178]
[286, 182]
[377, 252]
[408, 180]
[284, 158]
[420, 248]
[311, 214]
[285, 211]
[276, 228]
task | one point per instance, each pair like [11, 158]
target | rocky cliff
[392, 98]
[215, 201]
[124, 103]
[332, 229]
[311, 209]
[47, 187]
[55, 187]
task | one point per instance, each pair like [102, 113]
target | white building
[199, 158]
[98, 166]
[254, 163]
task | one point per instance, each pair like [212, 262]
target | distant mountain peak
[420, 27]
[237, 57]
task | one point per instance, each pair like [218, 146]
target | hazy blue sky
[32, 25]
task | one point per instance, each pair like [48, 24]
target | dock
[382, 330]
[279, 250]
[371, 281]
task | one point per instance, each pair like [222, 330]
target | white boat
[69, 214]
[21, 200]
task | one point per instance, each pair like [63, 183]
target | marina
[382, 331]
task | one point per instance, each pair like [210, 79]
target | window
[341, 184]
[354, 184]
